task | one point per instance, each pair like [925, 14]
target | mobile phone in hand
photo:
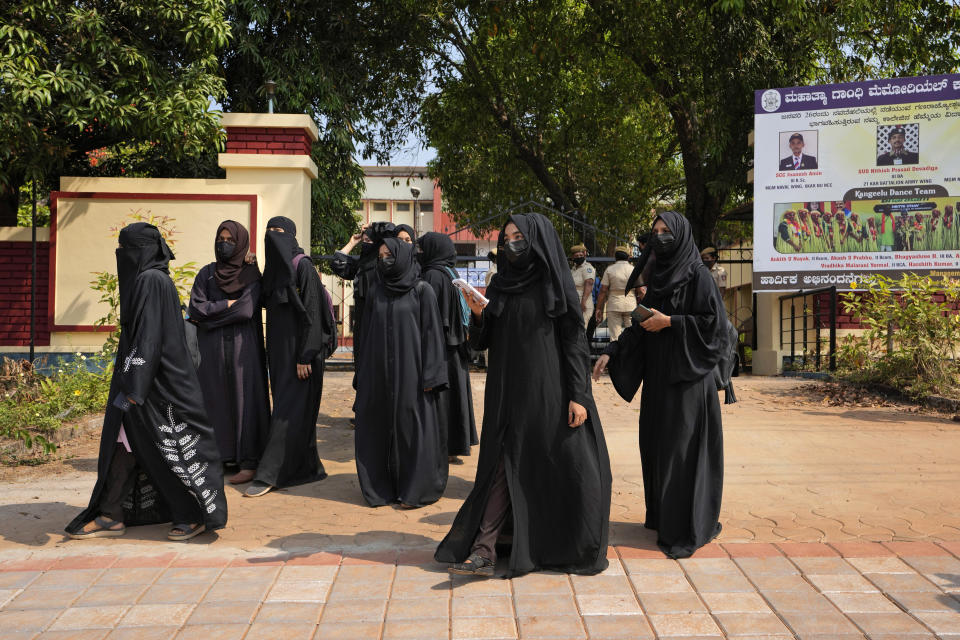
[641, 313]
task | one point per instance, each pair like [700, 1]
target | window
[402, 206]
[465, 248]
[426, 207]
[380, 207]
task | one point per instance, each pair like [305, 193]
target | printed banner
[856, 179]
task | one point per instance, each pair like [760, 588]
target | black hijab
[404, 273]
[142, 248]
[405, 227]
[234, 274]
[279, 278]
[438, 253]
[675, 268]
[544, 262]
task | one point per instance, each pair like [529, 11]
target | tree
[704, 59]
[87, 74]
[347, 64]
[530, 103]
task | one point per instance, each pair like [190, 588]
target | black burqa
[681, 434]
[558, 477]
[362, 271]
[233, 363]
[155, 396]
[438, 258]
[401, 449]
[300, 330]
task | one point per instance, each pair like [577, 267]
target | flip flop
[189, 531]
[103, 530]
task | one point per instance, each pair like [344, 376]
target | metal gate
[808, 325]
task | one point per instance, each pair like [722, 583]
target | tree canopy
[86, 74]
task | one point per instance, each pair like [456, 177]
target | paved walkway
[892, 591]
[839, 522]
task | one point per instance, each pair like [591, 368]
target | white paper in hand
[463, 285]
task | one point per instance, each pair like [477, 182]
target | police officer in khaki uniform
[583, 276]
[612, 294]
[709, 257]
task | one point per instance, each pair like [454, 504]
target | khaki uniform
[719, 276]
[619, 306]
[580, 275]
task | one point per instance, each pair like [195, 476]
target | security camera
[415, 192]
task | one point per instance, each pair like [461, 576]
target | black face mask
[224, 249]
[663, 243]
[386, 263]
[515, 249]
[579, 261]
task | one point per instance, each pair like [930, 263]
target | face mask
[663, 243]
[224, 249]
[515, 249]
[386, 263]
[579, 261]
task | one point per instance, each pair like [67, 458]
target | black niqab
[439, 255]
[676, 267]
[283, 222]
[234, 274]
[544, 261]
[404, 272]
[278, 274]
[141, 248]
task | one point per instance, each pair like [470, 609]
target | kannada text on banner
[856, 179]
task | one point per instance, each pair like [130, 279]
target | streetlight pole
[415, 192]
[33, 267]
[271, 87]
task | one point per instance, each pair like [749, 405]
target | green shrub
[912, 335]
[34, 406]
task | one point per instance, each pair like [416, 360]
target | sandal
[187, 531]
[104, 529]
[475, 565]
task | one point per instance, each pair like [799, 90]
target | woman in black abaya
[301, 334]
[158, 453]
[542, 451]
[225, 305]
[438, 258]
[401, 449]
[673, 354]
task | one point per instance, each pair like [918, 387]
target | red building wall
[15, 260]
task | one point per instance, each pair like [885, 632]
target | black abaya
[681, 435]
[232, 371]
[455, 403]
[155, 397]
[296, 336]
[558, 477]
[401, 448]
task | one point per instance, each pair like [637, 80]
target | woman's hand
[250, 258]
[476, 306]
[576, 414]
[600, 367]
[304, 371]
[656, 322]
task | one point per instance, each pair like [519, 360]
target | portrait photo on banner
[898, 144]
[798, 150]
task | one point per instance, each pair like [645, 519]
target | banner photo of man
[865, 182]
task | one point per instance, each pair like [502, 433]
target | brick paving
[748, 591]
[839, 522]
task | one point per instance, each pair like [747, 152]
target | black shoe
[257, 489]
[475, 565]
